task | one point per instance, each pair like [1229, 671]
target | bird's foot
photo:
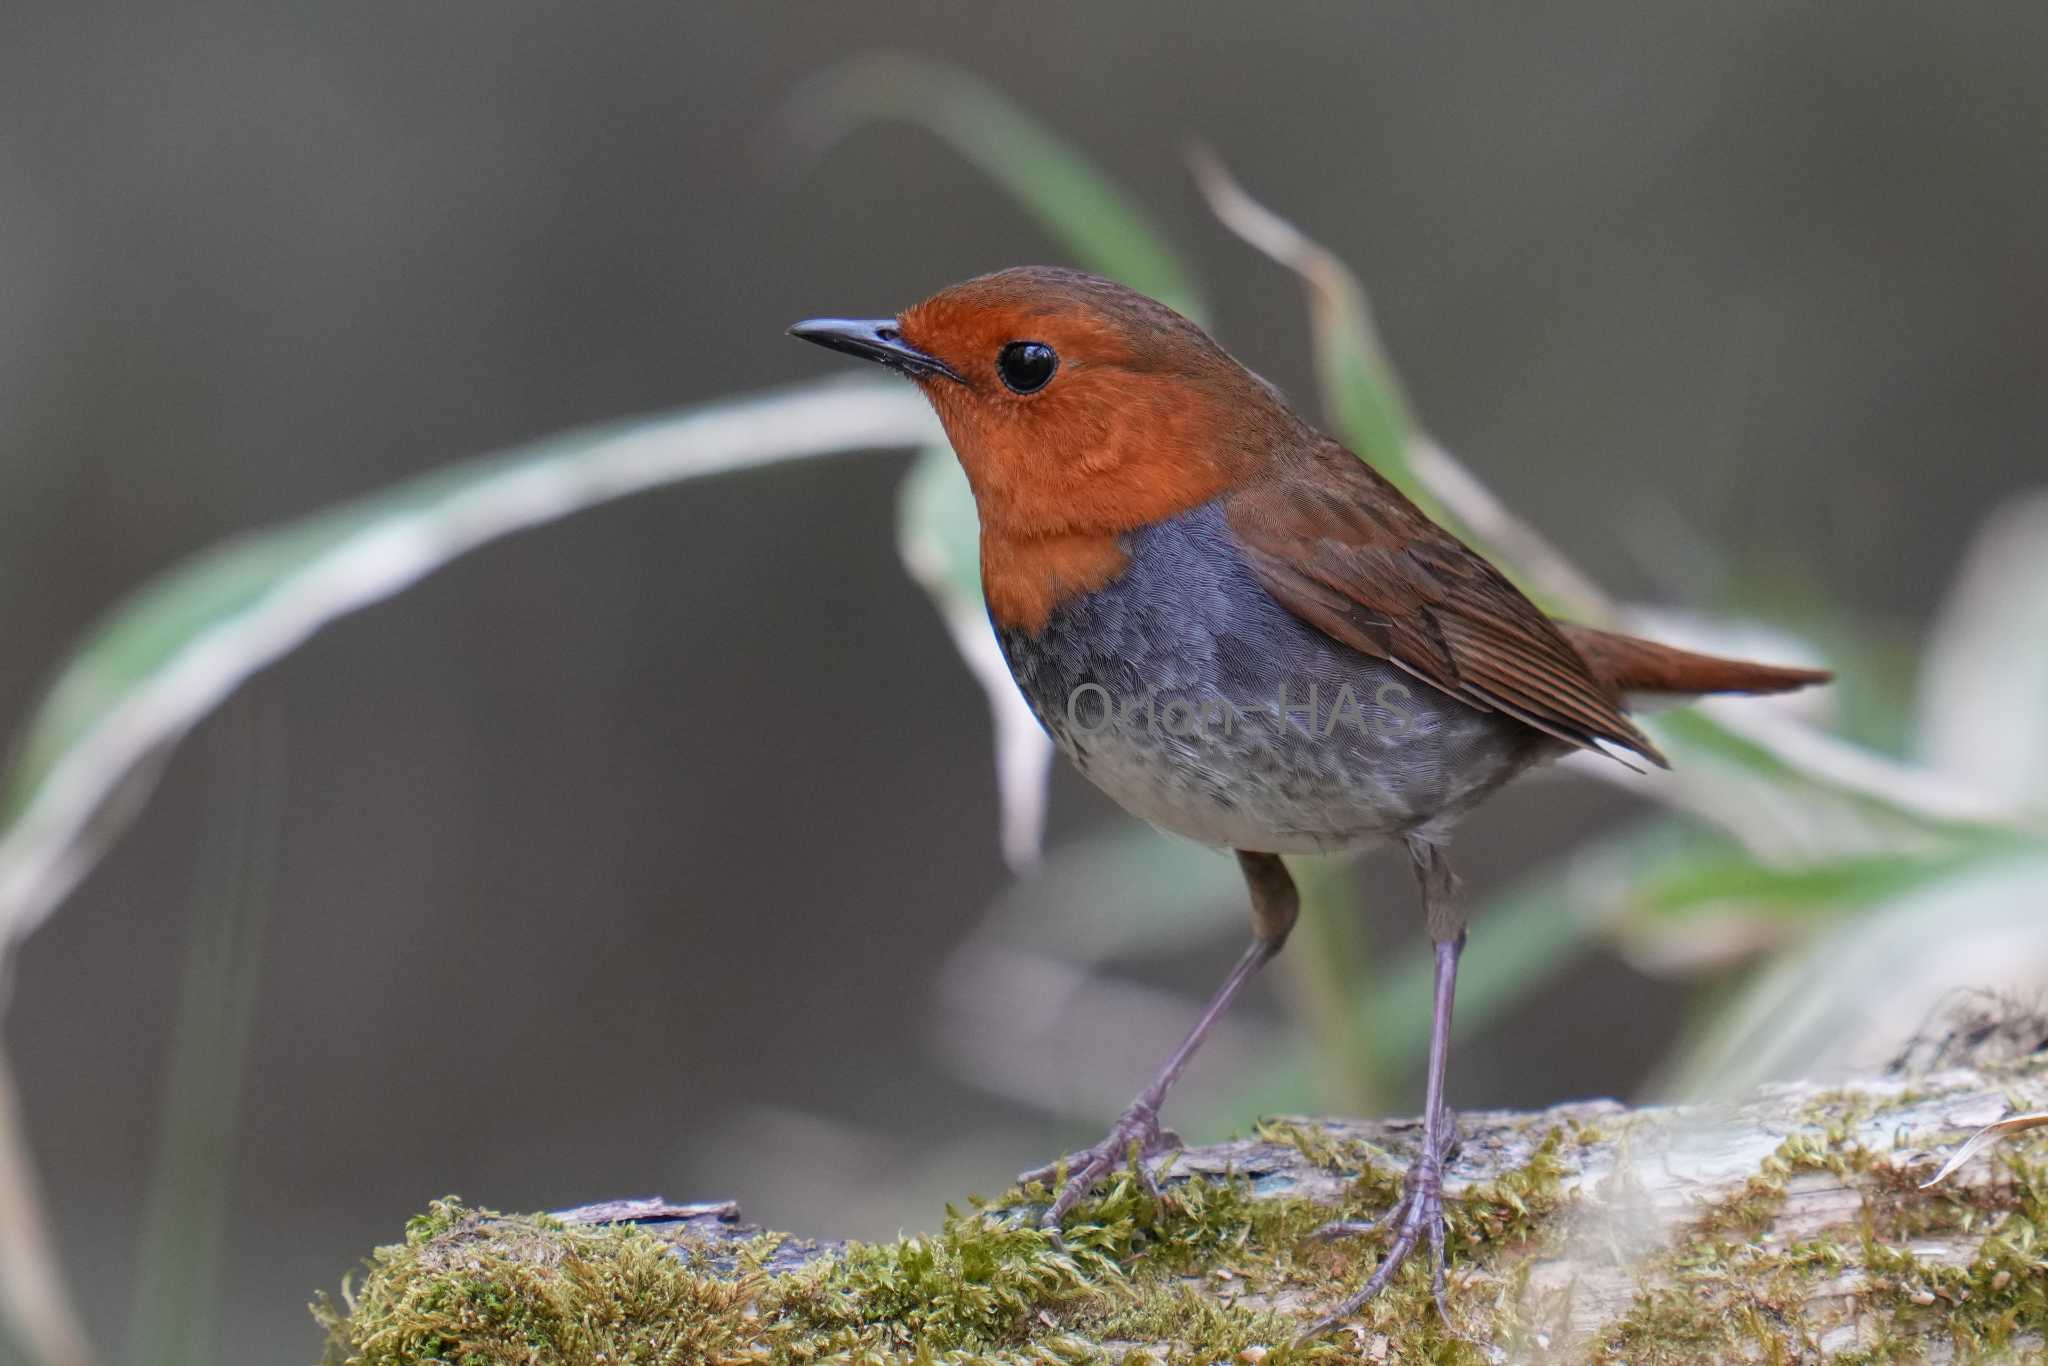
[1136, 1134]
[1417, 1215]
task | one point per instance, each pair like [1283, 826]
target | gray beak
[874, 339]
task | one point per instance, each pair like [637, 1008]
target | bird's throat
[1027, 577]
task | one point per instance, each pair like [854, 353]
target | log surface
[1789, 1226]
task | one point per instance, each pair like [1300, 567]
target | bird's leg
[1275, 905]
[1420, 1211]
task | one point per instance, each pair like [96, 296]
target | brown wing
[1345, 551]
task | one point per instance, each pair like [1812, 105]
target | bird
[1247, 636]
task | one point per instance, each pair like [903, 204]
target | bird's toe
[1417, 1217]
[1135, 1137]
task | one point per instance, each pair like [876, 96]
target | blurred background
[657, 850]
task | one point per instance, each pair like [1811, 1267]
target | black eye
[1026, 366]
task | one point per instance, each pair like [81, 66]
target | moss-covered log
[1789, 1227]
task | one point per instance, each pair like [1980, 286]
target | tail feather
[1628, 665]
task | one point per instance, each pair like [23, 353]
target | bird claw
[1136, 1133]
[1339, 1229]
[1418, 1213]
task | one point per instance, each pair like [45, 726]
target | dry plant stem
[1516, 542]
[1333, 289]
[37, 1303]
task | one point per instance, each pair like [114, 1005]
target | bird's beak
[874, 339]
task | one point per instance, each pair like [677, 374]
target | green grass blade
[184, 1227]
[1693, 883]
[1075, 202]
[1711, 904]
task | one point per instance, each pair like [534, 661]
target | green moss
[1181, 1321]
[472, 1289]
[1738, 1298]
[1210, 1274]
[1983, 1306]
[1512, 1207]
[1320, 1147]
[1207, 1274]
[1377, 1174]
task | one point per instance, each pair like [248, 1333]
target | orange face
[1078, 405]
[1080, 410]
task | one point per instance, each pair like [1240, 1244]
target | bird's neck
[1058, 489]
[1045, 544]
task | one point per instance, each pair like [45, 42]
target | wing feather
[1348, 553]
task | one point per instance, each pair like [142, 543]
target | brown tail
[1629, 665]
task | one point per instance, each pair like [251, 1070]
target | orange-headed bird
[1245, 635]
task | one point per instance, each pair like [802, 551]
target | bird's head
[1076, 406]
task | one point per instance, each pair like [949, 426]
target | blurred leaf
[1129, 891]
[1983, 705]
[936, 527]
[1663, 878]
[1710, 904]
[1686, 883]
[1075, 203]
[1780, 783]
[938, 537]
[169, 655]
[1852, 996]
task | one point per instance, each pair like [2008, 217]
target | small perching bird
[1245, 635]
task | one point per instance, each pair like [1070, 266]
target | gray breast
[1189, 695]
